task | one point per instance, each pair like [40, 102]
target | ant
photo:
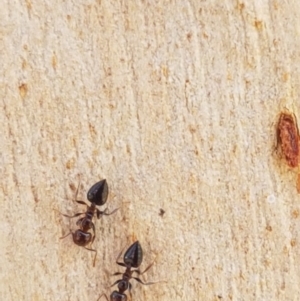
[97, 195]
[133, 258]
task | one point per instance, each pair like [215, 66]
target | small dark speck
[161, 212]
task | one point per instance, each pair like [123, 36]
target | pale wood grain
[174, 103]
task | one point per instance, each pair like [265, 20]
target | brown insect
[133, 258]
[288, 138]
[97, 195]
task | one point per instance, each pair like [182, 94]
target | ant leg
[109, 213]
[118, 273]
[94, 262]
[120, 263]
[147, 268]
[104, 296]
[144, 283]
[91, 243]
[93, 250]
[69, 216]
[76, 193]
[100, 213]
[94, 231]
[75, 215]
[66, 235]
[141, 273]
[116, 282]
[81, 202]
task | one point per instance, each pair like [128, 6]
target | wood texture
[175, 103]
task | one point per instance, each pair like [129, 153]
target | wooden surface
[175, 103]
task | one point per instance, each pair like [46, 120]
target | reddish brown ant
[97, 195]
[133, 258]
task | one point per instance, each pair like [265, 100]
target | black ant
[133, 258]
[97, 195]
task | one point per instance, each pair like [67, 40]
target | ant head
[133, 257]
[81, 238]
[116, 296]
[98, 193]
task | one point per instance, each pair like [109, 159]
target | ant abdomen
[98, 193]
